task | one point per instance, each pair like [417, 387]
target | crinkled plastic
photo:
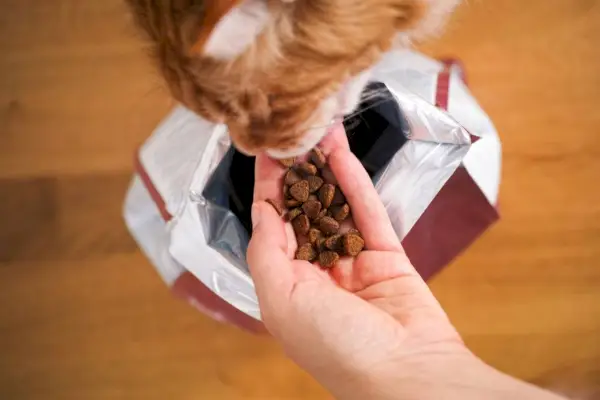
[433, 154]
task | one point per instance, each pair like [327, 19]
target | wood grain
[84, 315]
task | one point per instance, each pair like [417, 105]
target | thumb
[267, 257]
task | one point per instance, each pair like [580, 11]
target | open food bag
[433, 154]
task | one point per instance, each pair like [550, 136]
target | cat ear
[230, 26]
[214, 11]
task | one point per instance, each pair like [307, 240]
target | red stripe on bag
[156, 197]
[442, 90]
[456, 63]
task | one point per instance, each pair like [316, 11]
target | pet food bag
[433, 154]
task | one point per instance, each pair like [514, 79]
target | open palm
[362, 310]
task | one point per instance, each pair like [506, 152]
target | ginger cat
[278, 72]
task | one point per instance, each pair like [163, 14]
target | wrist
[422, 374]
[453, 373]
[411, 372]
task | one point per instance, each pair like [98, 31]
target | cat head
[278, 72]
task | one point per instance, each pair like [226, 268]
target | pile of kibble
[316, 207]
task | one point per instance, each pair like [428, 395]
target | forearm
[461, 378]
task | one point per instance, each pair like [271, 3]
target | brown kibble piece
[292, 214]
[318, 158]
[334, 243]
[292, 177]
[306, 252]
[353, 244]
[354, 231]
[321, 244]
[312, 208]
[301, 224]
[328, 176]
[326, 194]
[329, 226]
[313, 197]
[307, 169]
[338, 197]
[327, 259]
[287, 162]
[340, 213]
[291, 203]
[299, 191]
[314, 235]
[286, 191]
[276, 206]
[322, 214]
[314, 183]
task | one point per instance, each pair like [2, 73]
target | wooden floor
[84, 316]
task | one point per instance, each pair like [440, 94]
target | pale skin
[369, 328]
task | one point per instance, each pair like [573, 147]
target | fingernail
[255, 215]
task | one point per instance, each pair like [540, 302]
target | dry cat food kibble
[316, 207]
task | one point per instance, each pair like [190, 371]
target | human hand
[369, 327]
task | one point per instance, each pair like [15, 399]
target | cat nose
[288, 153]
[278, 154]
[307, 142]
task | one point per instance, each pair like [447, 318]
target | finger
[335, 139]
[389, 281]
[269, 264]
[370, 268]
[268, 175]
[368, 212]
[407, 298]
[267, 185]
